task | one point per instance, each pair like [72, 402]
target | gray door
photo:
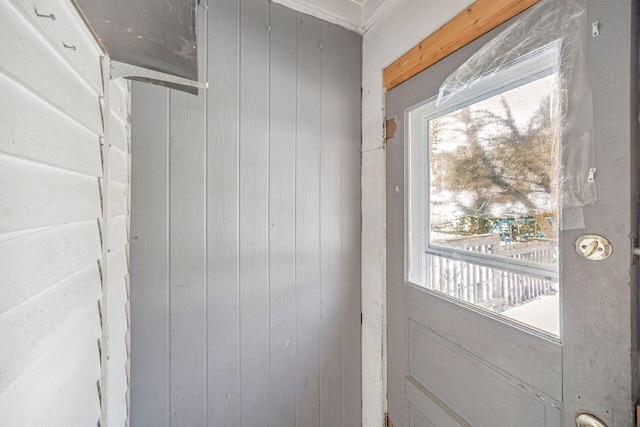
[500, 321]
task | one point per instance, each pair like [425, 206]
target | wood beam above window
[475, 21]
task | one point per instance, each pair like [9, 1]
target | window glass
[529, 299]
[484, 195]
[492, 176]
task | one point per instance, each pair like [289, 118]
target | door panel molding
[480, 335]
[444, 369]
[444, 416]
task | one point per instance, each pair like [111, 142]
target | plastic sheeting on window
[561, 23]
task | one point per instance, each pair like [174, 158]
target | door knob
[588, 420]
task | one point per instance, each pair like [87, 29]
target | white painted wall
[115, 371]
[56, 247]
[355, 15]
[341, 12]
[404, 24]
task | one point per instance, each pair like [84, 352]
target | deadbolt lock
[587, 420]
[594, 247]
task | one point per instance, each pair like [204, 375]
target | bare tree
[495, 159]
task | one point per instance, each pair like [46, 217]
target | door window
[484, 193]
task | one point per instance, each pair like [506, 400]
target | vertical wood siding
[52, 190]
[150, 257]
[246, 229]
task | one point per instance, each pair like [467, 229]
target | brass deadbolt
[594, 247]
[585, 419]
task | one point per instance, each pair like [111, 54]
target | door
[498, 313]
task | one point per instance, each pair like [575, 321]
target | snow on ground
[543, 313]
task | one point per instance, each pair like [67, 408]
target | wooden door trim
[475, 21]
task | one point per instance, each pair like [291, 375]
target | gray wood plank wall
[245, 282]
